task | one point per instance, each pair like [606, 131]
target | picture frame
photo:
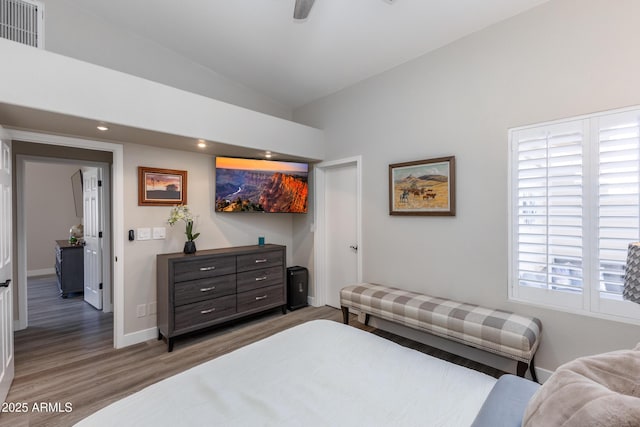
[161, 187]
[423, 187]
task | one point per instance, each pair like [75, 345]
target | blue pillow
[506, 403]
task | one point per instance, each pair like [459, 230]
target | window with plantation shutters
[574, 209]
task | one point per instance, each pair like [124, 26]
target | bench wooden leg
[533, 370]
[345, 315]
[522, 369]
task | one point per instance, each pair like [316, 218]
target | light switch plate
[159, 232]
[144, 233]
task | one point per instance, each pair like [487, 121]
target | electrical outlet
[142, 310]
[152, 308]
[159, 233]
[144, 233]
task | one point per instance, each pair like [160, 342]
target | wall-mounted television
[250, 185]
[76, 187]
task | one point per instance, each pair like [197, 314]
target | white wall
[80, 89]
[73, 32]
[41, 80]
[564, 58]
[49, 211]
[217, 230]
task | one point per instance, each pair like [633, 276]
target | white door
[92, 237]
[341, 225]
[6, 297]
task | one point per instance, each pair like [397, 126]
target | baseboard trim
[138, 337]
[41, 272]
[18, 325]
[543, 374]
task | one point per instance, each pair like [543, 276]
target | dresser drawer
[259, 260]
[262, 297]
[200, 268]
[205, 311]
[202, 289]
[264, 277]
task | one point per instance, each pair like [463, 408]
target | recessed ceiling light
[102, 128]
[201, 143]
[268, 155]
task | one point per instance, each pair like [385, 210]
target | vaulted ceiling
[258, 43]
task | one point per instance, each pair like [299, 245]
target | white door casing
[6, 296]
[338, 223]
[92, 236]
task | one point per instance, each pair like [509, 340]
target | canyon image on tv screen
[249, 185]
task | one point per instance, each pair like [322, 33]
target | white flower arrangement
[183, 213]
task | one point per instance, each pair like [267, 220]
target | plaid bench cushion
[496, 331]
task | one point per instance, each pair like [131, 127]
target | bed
[319, 373]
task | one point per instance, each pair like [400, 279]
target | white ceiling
[258, 43]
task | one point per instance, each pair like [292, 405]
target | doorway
[338, 248]
[65, 217]
[31, 143]
[63, 209]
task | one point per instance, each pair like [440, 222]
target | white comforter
[321, 373]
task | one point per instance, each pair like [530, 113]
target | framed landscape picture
[161, 187]
[423, 187]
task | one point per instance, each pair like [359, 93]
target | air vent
[22, 21]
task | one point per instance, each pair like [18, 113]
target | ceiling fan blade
[302, 9]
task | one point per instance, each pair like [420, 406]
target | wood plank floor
[67, 354]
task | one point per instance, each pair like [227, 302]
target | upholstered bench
[496, 331]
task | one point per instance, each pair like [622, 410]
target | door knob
[5, 284]
[354, 247]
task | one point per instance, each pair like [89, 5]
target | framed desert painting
[423, 187]
[161, 187]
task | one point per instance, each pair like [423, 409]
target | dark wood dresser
[69, 267]
[214, 286]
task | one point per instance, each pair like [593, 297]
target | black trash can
[297, 287]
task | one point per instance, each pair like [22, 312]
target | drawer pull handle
[207, 289]
[207, 268]
[261, 278]
[261, 298]
[208, 311]
[260, 260]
